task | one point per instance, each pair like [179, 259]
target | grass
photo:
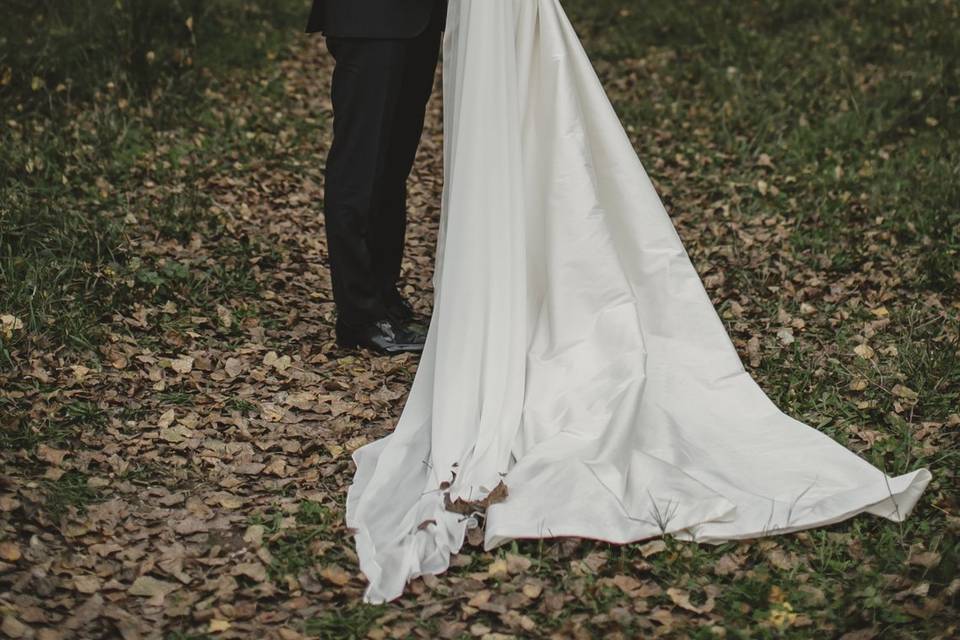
[65, 426]
[83, 118]
[808, 151]
[70, 490]
[351, 623]
[291, 545]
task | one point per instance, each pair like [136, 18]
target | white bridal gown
[573, 352]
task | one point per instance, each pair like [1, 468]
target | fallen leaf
[532, 590]
[87, 584]
[517, 564]
[9, 551]
[467, 507]
[652, 548]
[498, 568]
[902, 391]
[785, 336]
[13, 628]
[167, 418]
[253, 570]
[217, 626]
[336, 575]
[681, 598]
[183, 364]
[254, 535]
[864, 351]
[233, 367]
[9, 324]
[926, 559]
[51, 455]
[148, 587]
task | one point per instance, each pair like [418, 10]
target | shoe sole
[346, 344]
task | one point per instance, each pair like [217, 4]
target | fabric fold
[573, 352]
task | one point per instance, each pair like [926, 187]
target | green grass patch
[70, 490]
[292, 545]
[349, 623]
[102, 146]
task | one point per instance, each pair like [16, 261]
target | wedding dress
[573, 353]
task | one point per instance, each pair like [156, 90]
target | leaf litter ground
[187, 479]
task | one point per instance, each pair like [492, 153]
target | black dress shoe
[383, 336]
[399, 310]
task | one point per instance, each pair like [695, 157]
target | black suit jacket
[371, 18]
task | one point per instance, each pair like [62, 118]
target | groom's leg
[386, 240]
[367, 84]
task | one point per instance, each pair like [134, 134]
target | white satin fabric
[573, 351]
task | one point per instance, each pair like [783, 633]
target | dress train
[573, 353]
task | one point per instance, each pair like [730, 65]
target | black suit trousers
[379, 92]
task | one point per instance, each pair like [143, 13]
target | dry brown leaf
[728, 564]
[652, 548]
[518, 564]
[927, 559]
[149, 587]
[50, 455]
[905, 392]
[254, 535]
[253, 570]
[498, 568]
[182, 365]
[681, 598]
[467, 507]
[9, 551]
[234, 367]
[13, 628]
[217, 626]
[87, 584]
[864, 351]
[167, 419]
[336, 575]
[532, 590]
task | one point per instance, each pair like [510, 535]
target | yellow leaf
[497, 568]
[216, 626]
[518, 564]
[902, 391]
[9, 324]
[254, 535]
[36, 83]
[864, 351]
[9, 551]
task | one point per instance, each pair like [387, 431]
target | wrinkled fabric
[573, 353]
